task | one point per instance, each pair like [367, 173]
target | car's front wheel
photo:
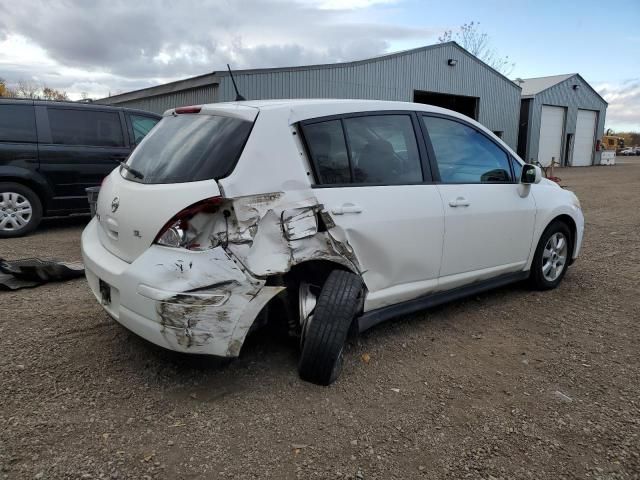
[326, 327]
[20, 210]
[552, 257]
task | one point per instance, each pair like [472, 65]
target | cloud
[624, 104]
[122, 43]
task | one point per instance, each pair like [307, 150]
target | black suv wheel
[20, 210]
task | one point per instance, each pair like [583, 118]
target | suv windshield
[189, 148]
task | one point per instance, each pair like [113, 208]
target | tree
[32, 90]
[28, 89]
[469, 37]
[5, 90]
[53, 94]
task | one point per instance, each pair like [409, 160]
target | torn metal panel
[219, 318]
[223, 287]
[299, 223]
[270, 233]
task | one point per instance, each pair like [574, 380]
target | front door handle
[346, 208]
[459, 202]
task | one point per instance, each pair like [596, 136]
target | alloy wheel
[554, 256]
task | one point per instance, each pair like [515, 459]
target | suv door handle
[346, 208]
[459, 202]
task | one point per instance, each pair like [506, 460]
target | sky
[111, 46]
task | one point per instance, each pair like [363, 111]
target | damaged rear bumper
[194, 302]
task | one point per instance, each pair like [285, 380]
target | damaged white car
[345, 212]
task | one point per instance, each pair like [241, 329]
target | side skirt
[374, 317]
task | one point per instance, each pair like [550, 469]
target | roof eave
[163, 89]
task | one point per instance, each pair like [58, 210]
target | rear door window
[189, 148]
[371, 149]
[141, 125]
[383, 149]
[17, 124]
[85, 127]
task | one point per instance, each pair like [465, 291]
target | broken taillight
[177, 232]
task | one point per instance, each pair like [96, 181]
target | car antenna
[239, 98]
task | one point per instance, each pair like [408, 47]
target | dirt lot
[510, 384]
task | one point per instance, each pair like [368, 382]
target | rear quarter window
[17, 124]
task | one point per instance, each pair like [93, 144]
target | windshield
[189, 148]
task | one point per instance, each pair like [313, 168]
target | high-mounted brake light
[176, 233]
[191, 109]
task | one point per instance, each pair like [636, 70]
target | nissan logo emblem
[115, 204]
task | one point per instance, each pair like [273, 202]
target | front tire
[552, 257]
[20, 210]
[326, 333]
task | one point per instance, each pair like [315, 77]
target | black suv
[51, 151]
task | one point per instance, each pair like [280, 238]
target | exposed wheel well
[42, 195]
[285, 305]
[567, 220]
[313, 271]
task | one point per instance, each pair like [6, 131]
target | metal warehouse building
[445, 75]
[561, 118]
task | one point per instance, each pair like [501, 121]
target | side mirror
[530, 174]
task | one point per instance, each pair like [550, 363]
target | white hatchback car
[344, 212]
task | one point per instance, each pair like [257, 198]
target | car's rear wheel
[552, 256]
[326, 326]
[20, 210]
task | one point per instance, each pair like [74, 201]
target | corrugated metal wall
[394, 77]
[564, 95]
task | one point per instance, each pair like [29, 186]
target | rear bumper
[192, 302]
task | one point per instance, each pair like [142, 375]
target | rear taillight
[177, 232]
[191, 109]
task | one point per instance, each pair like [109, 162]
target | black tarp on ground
[31, 272]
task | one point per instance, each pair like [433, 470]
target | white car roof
[305, 109]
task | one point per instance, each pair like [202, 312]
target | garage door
[585, 138]
[551, 128]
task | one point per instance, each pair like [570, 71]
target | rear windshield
[189, 148]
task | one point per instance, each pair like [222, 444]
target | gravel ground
[509, 384]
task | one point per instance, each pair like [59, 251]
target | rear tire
[338, 303]
[20, 210]
[552, 257]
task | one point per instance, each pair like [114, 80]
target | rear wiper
[131, 170]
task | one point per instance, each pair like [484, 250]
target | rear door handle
[459, 202]
[346, 208]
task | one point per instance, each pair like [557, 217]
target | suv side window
[85, 127]
[382, 149]
[17, 124]
[464, 155]
[141, 126]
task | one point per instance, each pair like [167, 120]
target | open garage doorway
[458, 103]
